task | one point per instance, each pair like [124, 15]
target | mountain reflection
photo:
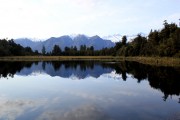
[165, 79]
[66, 69]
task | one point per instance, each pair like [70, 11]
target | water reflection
[11, 68]
[83, 112]
[165, 79]
[66, 69]
[47, 90]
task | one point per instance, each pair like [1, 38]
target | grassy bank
[159, 61]
[56, 58]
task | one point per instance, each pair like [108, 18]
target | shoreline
[157, 61]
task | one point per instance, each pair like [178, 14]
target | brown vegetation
[159, 61]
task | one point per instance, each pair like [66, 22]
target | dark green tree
[56, 50]
[92, 48]
[66, 51]
[36, 52]
[10, 48]
[43, 50]
[138, 45]
[124, 40]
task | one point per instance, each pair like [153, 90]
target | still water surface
[88, 90]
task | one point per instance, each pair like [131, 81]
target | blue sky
[47, 18]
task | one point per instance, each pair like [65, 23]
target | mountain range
[66, 41]
[67, 71]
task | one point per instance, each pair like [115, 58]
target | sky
[54, 18]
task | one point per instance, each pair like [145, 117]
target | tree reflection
[10, 68]
[165, 79]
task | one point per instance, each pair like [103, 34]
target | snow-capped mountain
[118, 37]
[66, 41]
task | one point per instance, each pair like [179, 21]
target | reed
[158, 61]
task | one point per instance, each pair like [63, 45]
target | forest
[162, 43]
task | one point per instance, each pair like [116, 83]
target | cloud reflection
[11, 109]
[90, 96]
[84, 112]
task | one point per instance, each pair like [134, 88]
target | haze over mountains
[66, 41]
[118, 37]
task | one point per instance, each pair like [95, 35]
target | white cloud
[46, 18]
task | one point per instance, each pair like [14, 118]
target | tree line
[164, 42]
[73, 51]
[10, 48]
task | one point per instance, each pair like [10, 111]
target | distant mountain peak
[96, 36]
[81, 35]
[72, 36]
[30, 39]
[67, 41]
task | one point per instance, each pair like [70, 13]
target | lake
[88, 90]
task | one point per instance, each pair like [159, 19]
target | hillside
[66, 41]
